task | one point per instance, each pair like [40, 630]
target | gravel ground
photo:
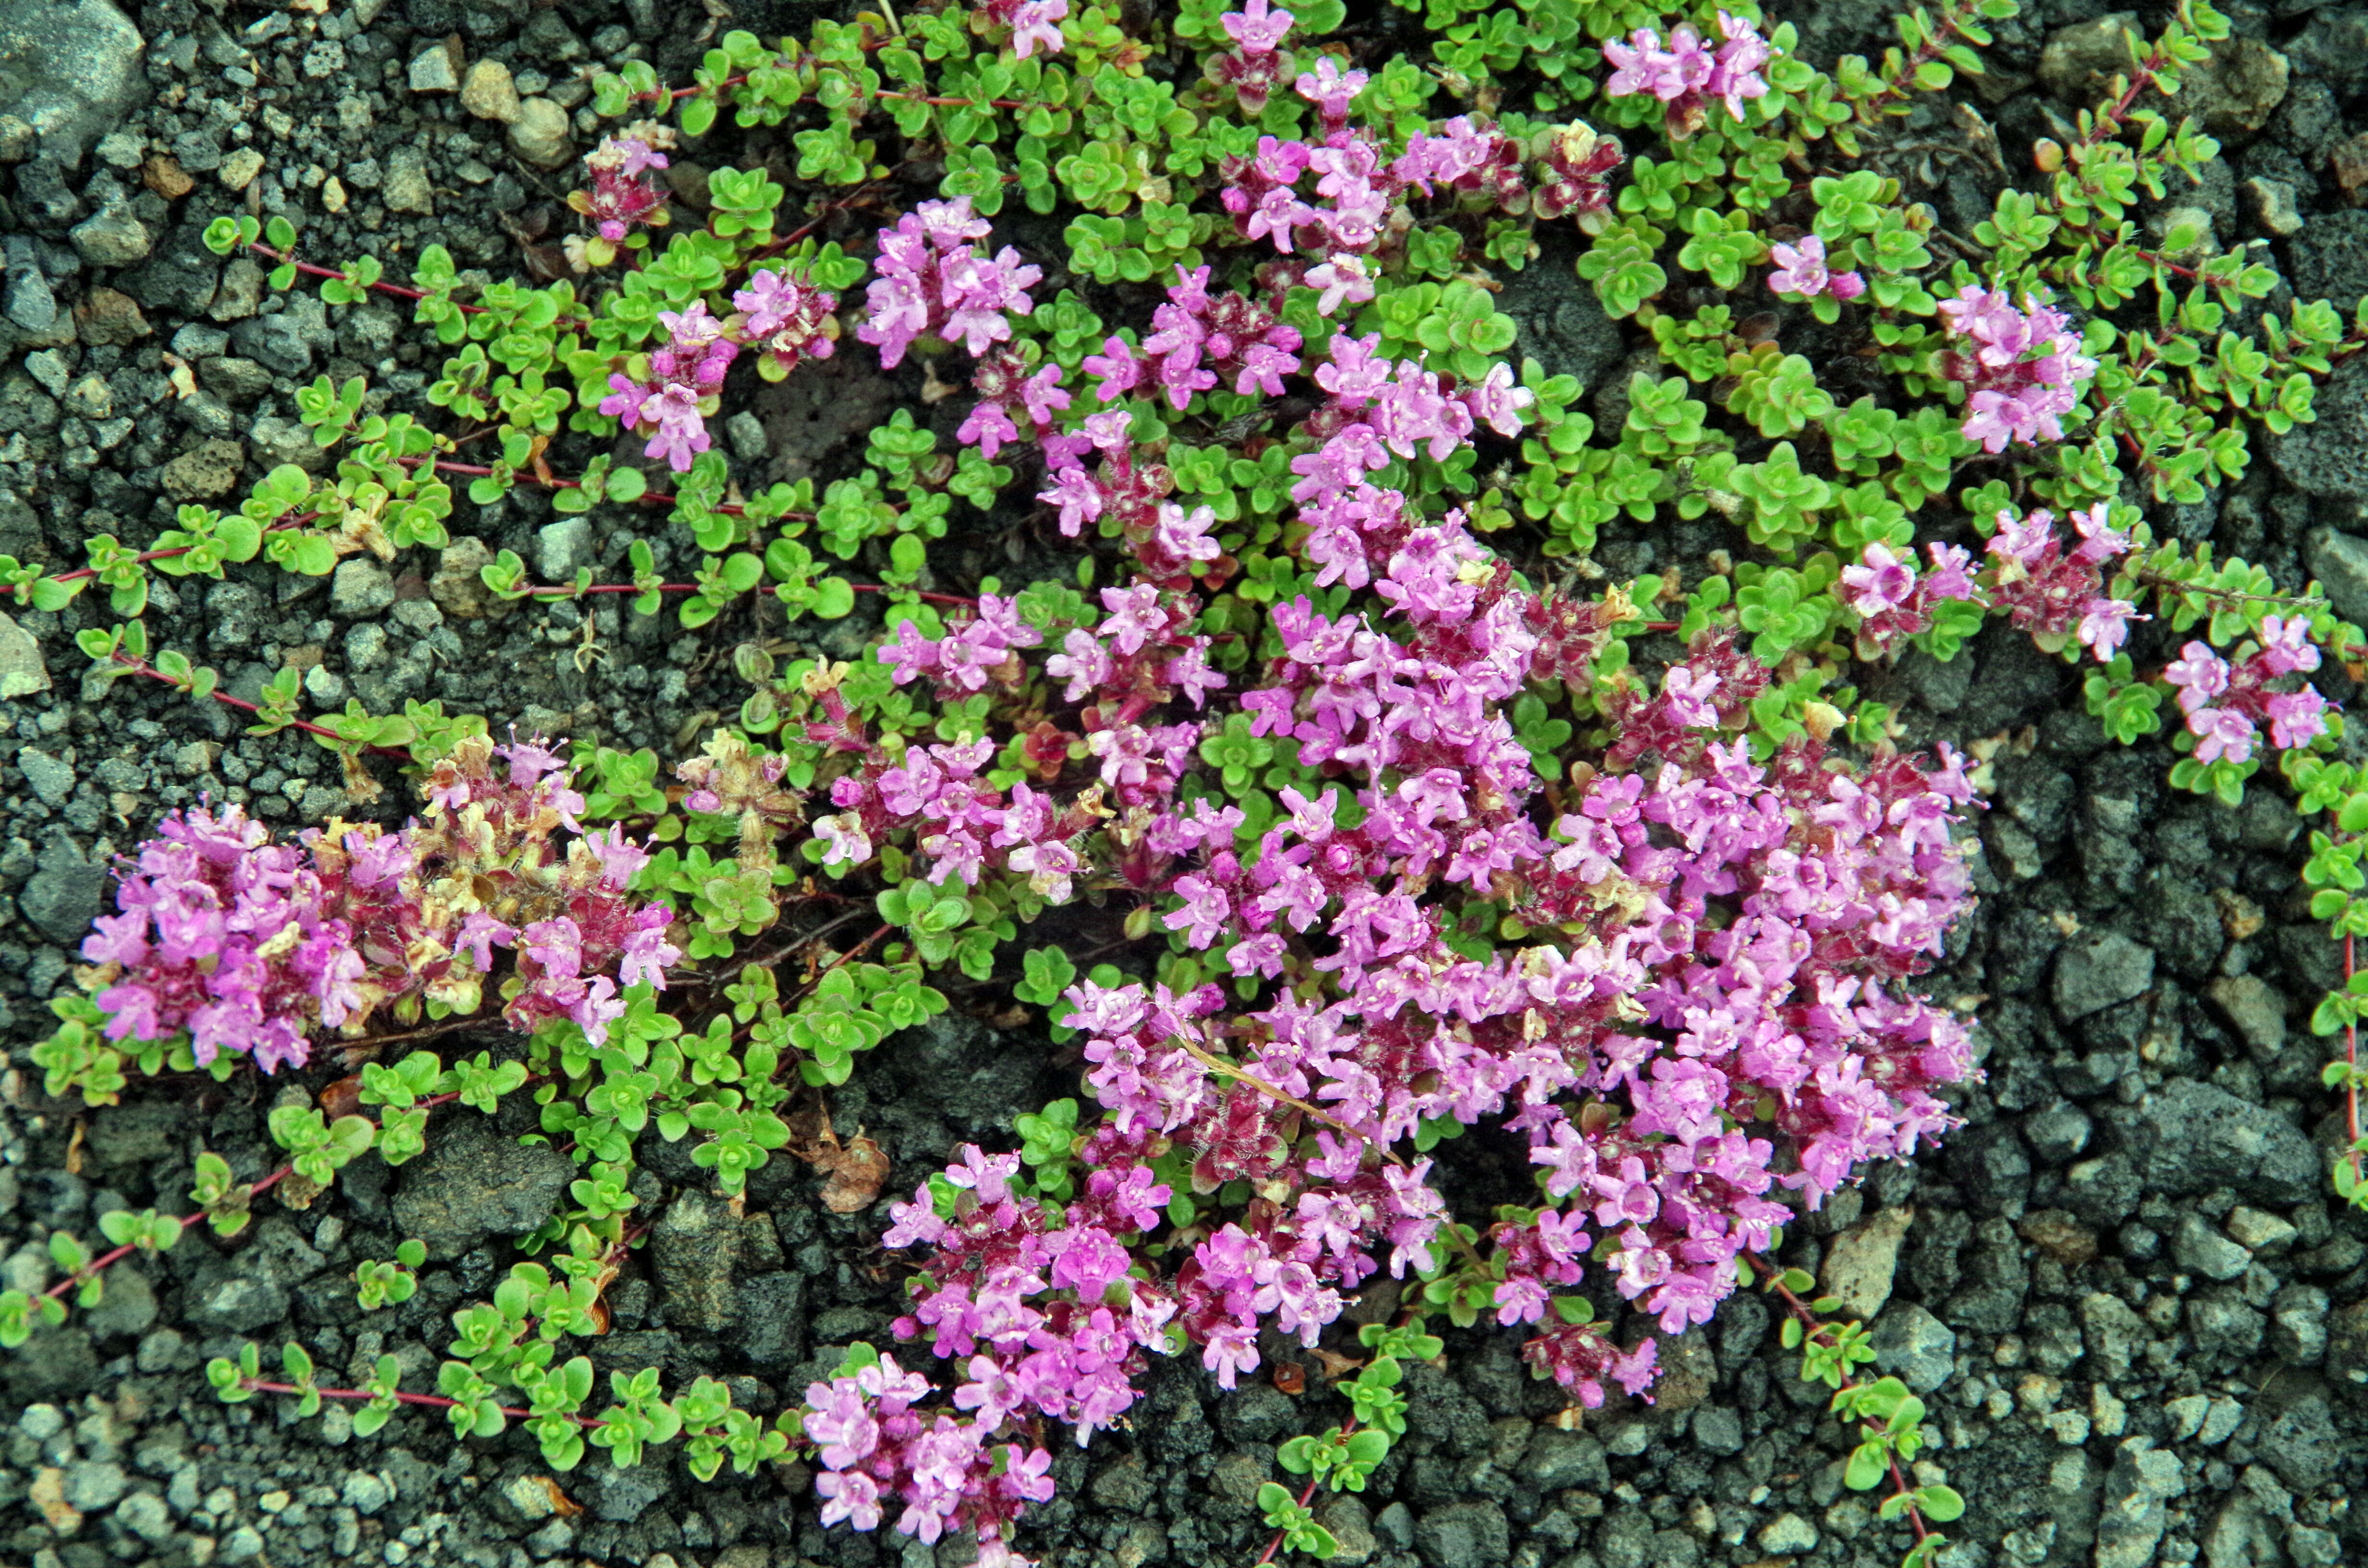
[2140, 1318]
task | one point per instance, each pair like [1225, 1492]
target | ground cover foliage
[1311, 784]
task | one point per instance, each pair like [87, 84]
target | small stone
[1860, 1264]
[2260, 1231]
[361, 587]
[72, 72]
[2339, 561]
[91, 398]
[111, 237]
[2222, 1416]
[745, 434]
[333, 195]
[48, 1494]
[206, 471]
[2106, 1415]
[2196, 1245]
[2254, 1009]
[91, 1484]
[2234, 92]
[164, 174]
[50, 778]
[365, 1494]
[30, 301]
[473, 1183]
[488, 93]
[2080, 61]
[2186, 1415]
[437, 68]
[408, 187]
[2069, 1427]
[145, 1515]
[2275, 206]
[538, 135]
[1915, 1345]
[457, 589]
[109, 318]
[22, 672]
[238, 170]
[2097, 973]
[1787, 1533]
[560, 547]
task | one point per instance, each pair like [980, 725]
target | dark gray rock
[225, 1296]
[2058, 1134]
[1556, 1459]
[2222, 1326]
[1467, 1535]
[2188, 1137]
[1992, 1166]
[771, 1326]
[178, 278]
[70, 69]
[1915, 1347]
[2303, 1444]
[65, 895]
[2338, 561]
[1718, 1430]
[2096, 972]
[2142, 1479]
[2313, 458]
[2197, 1245]
[2113, 1334]
[621, 1496]
[473, 1183]
[693, 1250]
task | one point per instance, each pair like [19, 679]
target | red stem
[2351, 1060]
[433, 1401]
[1816, 1327]
[79, 573]
[99, 1264]
[143, 667]
[1307, 1491]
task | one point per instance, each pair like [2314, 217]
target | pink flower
[1881, 582]
[2199, 675]
[1255, 29]
[2105, 625]
[2221, 733]
[2286, 646]
[1801, 269]
[2296, 718]
[1038, 22]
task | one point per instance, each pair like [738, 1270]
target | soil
[2136, 1309]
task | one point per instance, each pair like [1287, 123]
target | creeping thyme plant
[1387, 831]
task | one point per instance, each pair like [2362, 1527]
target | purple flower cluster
[1006, 386]
[247, 945]
[787, 319]
[622, 195]
[932, 281]
[1730, 939]
[2227, 703]
[686, 378]
[2023, 371]
[2054, 593]
[238, 940]
[1253, 67]
[878, 1451]
[1689, 75]
[1360, 196]
[1200, 343]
